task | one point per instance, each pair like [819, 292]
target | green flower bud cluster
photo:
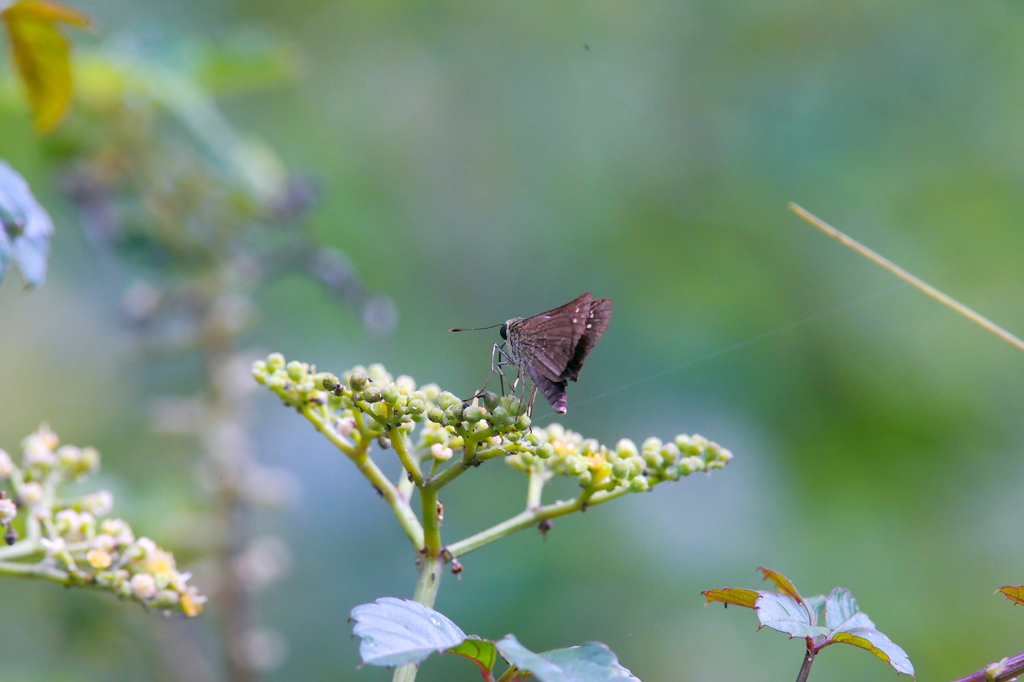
[73, 536]
[492, 420]
[366, 402]
[561, 452]
[42, 457]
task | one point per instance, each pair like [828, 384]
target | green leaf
[480, 651]
[42, 56]
[25, 228]
[590, 662]
[782, 582]
[840, 606]
[816, 604]
[850, 625]
[732, 595]
[1014, 593]
[877, 643]
[397, 631]
[783, 613]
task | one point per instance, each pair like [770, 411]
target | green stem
[531, 517]
[400, 443]
[431, 522]
[431, 570]
[534, 488]
[455, 469]
[368, 468]
[50, 573]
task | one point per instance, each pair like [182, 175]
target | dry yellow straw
[906, 276]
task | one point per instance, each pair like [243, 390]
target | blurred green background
[479, 161]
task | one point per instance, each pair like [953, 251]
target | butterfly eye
[504, 331]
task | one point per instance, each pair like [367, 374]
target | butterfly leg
[529, 406]
[499, 358]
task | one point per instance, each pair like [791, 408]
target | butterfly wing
[598, 317]
[548, 341]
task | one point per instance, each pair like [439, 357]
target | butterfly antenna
[476, 329]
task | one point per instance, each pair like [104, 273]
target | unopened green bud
[416, 406]
[431, 391]
[275, 361]
[472, 414]
[296, 370]
[329, 382]
[500, 416]
[513, 405]
[371, 394]
[639, 484]
[447, 400]
[670, 453]
[454, 412]
[378, 373]
[545, 450]
[585, 479]
[651, 444]
[490, 399]
[653, 458]
[435, 415]
[523, 423]
[625, 448]
[390, 394]
[358, 380]
[688, 465]
[620, 470]
[166, 599]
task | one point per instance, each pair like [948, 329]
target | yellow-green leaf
[41, 56]
[1014, 593]
[781, 582]
[732, 595]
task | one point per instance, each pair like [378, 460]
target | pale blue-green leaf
[590, 662]
[783, 613]
[815, 604]
[396, 631]
[26, 228]
[840, 607]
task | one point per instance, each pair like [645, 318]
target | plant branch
[805, 668]
[394, 497]
[531, 517]
[1000, 671]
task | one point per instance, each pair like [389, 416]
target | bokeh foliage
[479, 162]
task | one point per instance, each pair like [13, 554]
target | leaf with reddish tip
[781, 582]
[1014, 593]
[480, 651]
[42, 56]
[731, 595]
[877, 643]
